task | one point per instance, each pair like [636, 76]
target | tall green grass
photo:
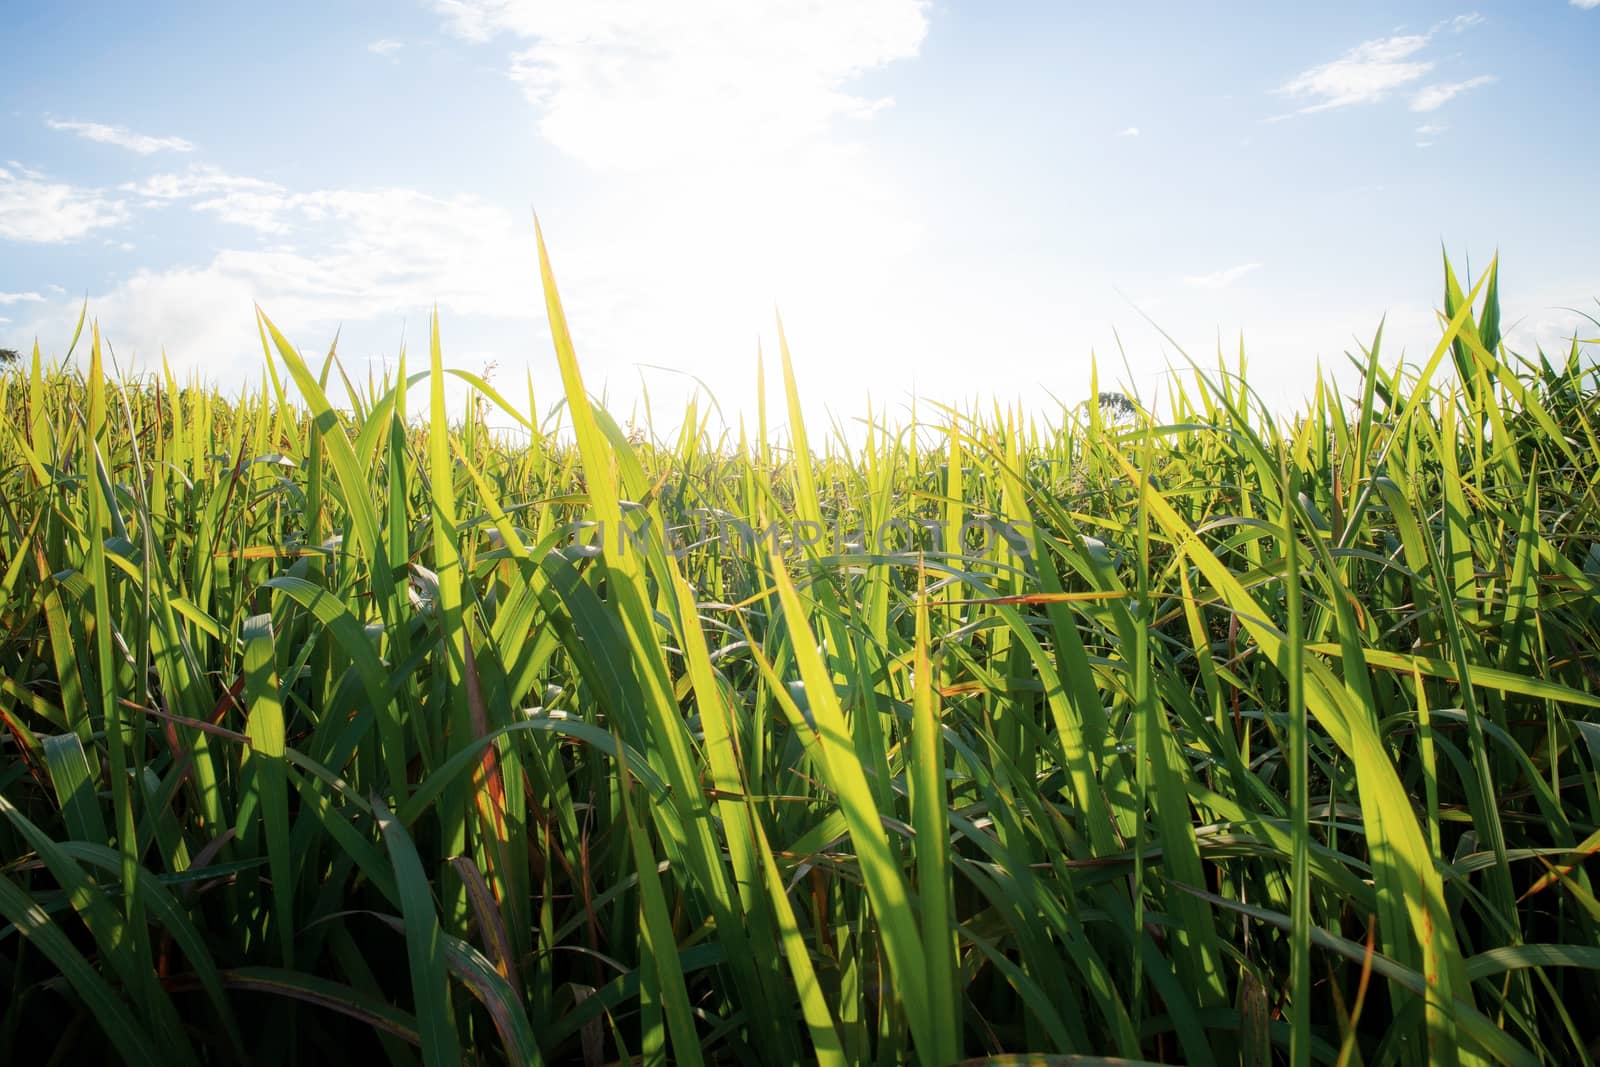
[328, 735]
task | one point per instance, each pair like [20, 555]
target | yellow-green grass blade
[352, 477]
[453, 638]
[880, 869]
[606, 460]
[1478, 675]
[117, 736]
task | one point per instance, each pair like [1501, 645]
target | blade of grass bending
[325, 993]
[487, 981]
[1495, 961]
[491, 927]
[430, 978]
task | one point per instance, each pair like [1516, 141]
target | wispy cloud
[20, 298]
[1372, 70]
[250, 202]
[624, 85]
[365, 238]
[1131, 131]
[385, 46]
[1587, 5]
[37, 210]
[1436, 96]
[1363, 75]
[199, 180]
[1220, 278]
[122, 137]
[1433, 129]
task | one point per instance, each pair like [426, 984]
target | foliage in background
[325, 735]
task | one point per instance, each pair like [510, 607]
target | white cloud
[249, 202]
[20, 298]
[37, 210]
[1373, 69]
[260, 211]
[1436, 96]
[1221, 278]
[1363, 75]
[633, 84]
[346, 255]
[1430, 129]
[1587, 5]
[122, 137]
[363, 240]
[200, 180]
[477, 20]
[1131, 131]
[385, 46]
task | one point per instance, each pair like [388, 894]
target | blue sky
[960, 198]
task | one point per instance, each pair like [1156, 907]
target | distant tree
[8, 357]
[1115, 406]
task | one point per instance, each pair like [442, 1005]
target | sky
[952, 200]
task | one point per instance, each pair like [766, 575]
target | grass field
[1232, 737]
